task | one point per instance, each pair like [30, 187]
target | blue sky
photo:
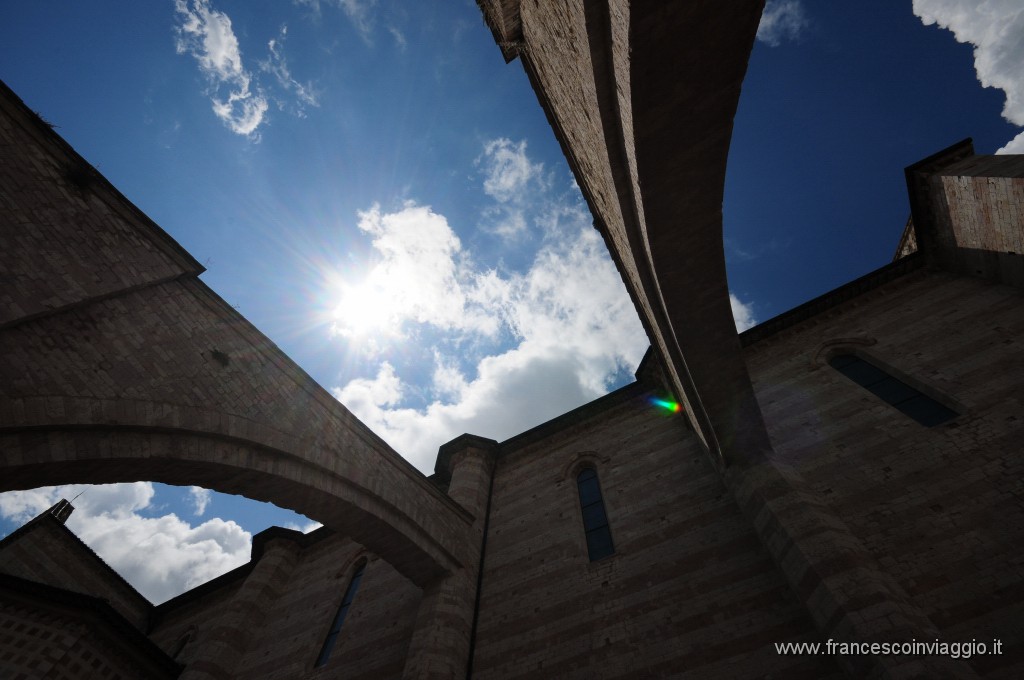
[377, 191]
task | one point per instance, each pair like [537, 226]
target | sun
[372, 308]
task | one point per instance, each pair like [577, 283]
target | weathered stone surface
[832, 517]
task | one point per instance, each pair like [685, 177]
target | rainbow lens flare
[667, 405]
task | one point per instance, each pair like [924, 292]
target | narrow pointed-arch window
[913, 403]
[595, 520]
[339, 618]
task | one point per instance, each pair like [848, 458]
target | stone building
[847, 473]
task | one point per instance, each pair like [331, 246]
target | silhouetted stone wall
[689, 586]
[940, 508]
[293, 611]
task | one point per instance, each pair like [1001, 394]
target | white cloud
[512, 392]
[448, 381]
[782, 20]
[277, 65]
[561, 333]
[206, 34]
[399, 37]
[364, 394]
[742, 313]
[200, 499]
[514, 182]
[120, 499]
[160, 556]
[164, 556]
[1014, 146]
[358, 12]
[507, 222]
[996, 29]
[507, 169]
[305, 528]
[313, 5]
[418, 278]
[573, 327]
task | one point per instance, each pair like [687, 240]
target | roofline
[259, 543]
[46, 517]
[577, 415]
[833, 298]
[44, 132]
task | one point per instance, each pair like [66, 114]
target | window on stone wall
[893, 391]
[339, 618]
[595, 520]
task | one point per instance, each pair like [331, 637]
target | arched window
[339, 618]
[595, 521]
[893, 391]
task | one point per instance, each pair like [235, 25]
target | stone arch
[680, 143]
[649, 155]
[829, 348]
[59, 440]
[578, 461]
[118, 364]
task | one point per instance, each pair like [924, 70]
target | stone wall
[180, 627]
[284, 637]
[644, 118]
[940, 508]
[58, 634]
[68, 236]
[689, 591]
[47, 552]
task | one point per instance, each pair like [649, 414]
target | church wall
[940, 508]
[689, 586]
[85, 240]
[285, 638]
[180, 631]
[48, 642]
[376, 631]
[46, 552]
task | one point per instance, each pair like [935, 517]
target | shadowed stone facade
[785, 504]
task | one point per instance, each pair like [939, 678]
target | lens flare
[667, 405]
